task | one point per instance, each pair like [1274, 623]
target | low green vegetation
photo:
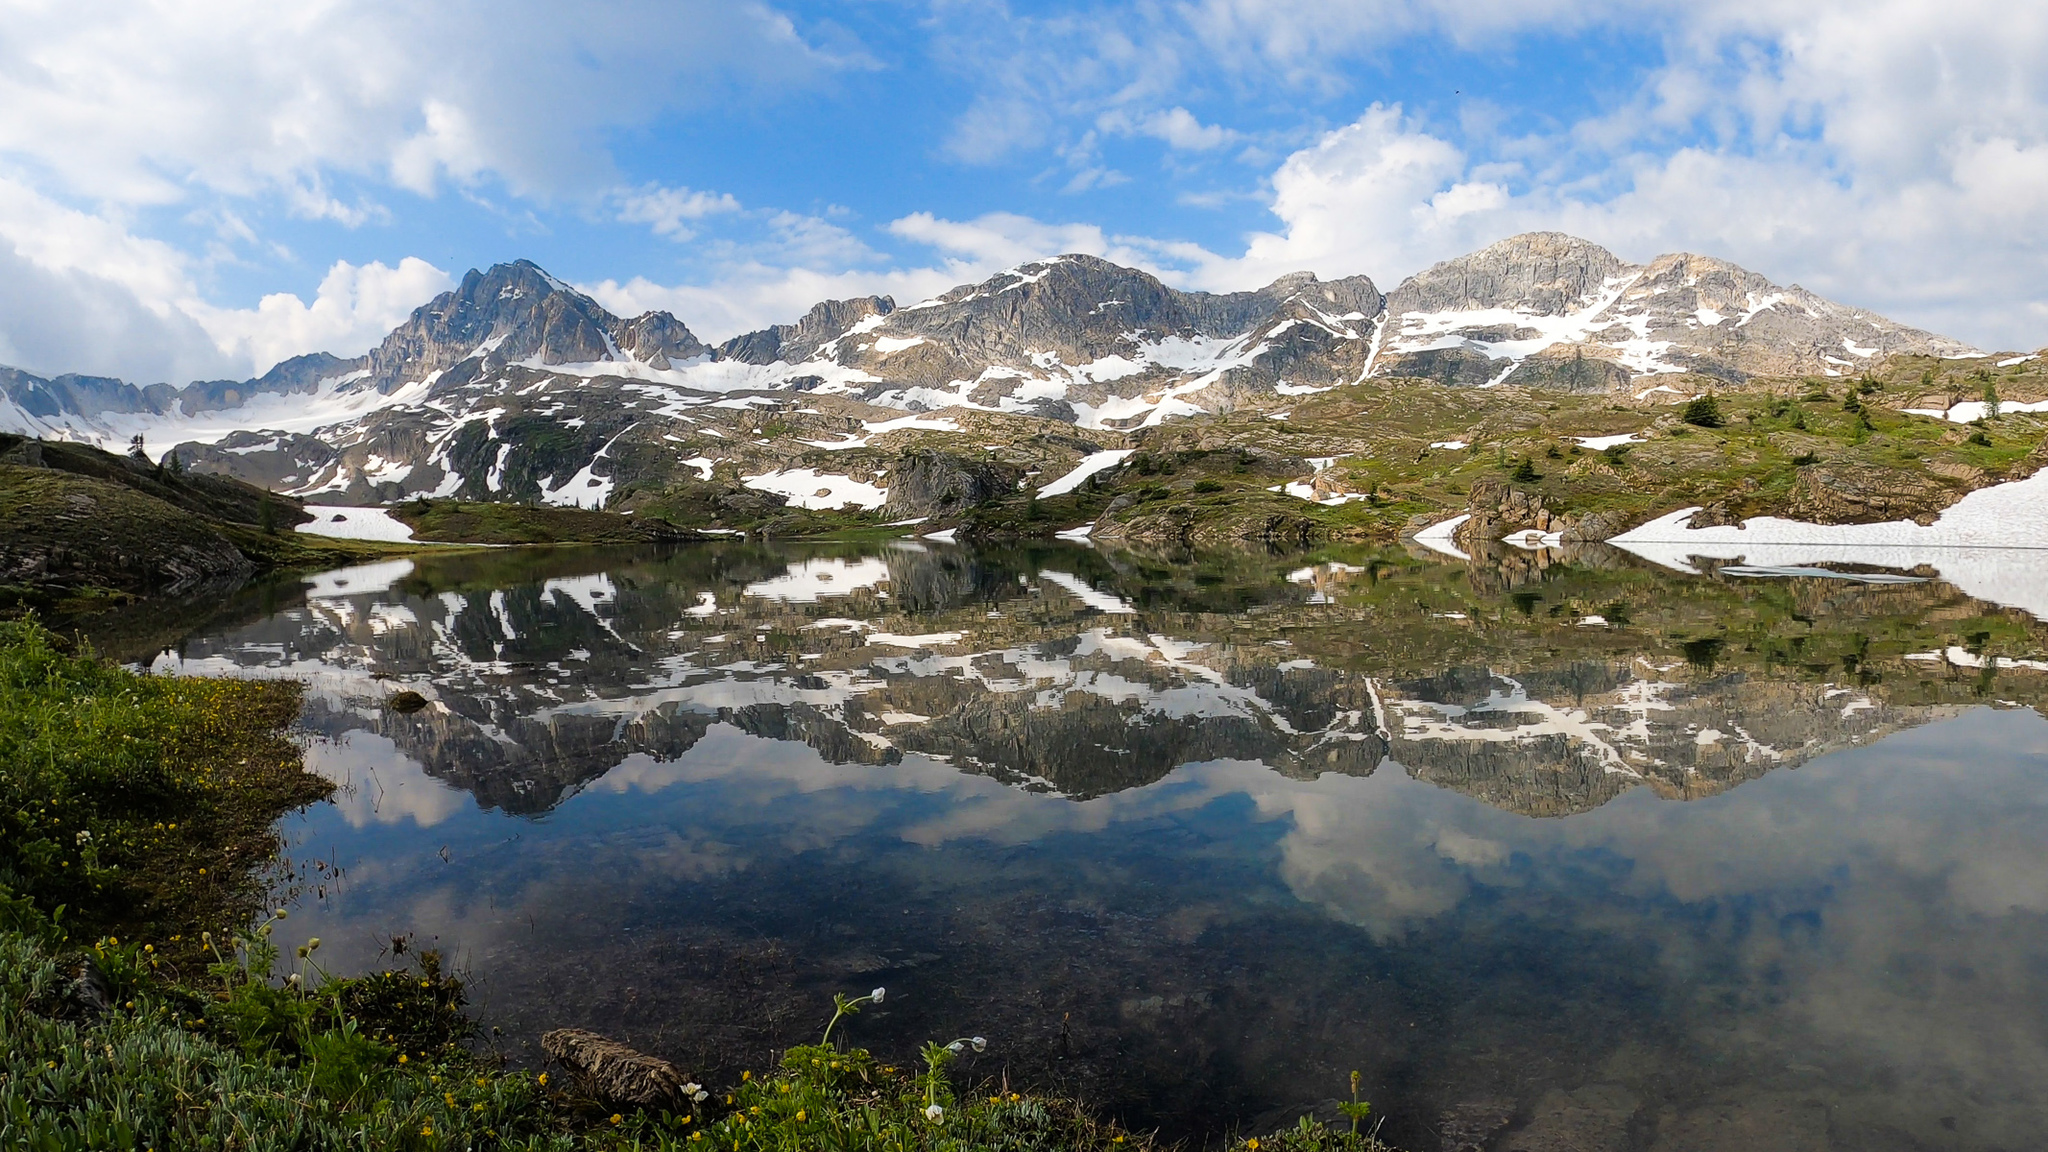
[83, 530]
[144, 1004]
[472, 522]
[1403, 453]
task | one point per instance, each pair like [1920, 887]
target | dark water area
[1571, 855]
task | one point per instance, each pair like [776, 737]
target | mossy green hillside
[82, 530]
[1404, 452]
[473, 522]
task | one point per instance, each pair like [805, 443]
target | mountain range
[516, 386]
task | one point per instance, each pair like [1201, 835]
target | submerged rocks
[612, 1071]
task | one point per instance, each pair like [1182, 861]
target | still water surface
[1583, 856]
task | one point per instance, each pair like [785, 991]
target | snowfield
[355, 524]
[818, 491]
[1090, 464]
[1992, 544]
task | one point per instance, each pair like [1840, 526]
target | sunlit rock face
[516, 386]
[1546, 309]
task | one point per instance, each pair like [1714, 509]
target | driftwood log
[612, 1071]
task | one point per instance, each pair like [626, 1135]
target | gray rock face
[1548, 273]
[280, 460]
[1112, 346]
[516, 313]
[1532, 303]
[515, 386]
[795, 343]
[929, 483]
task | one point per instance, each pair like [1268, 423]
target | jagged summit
[518, 313]
[1512, 311]
[514, 382]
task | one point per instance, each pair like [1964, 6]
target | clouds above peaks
[747, 297]
[670, 211]
[143, 101]
[999, 240]
[57, 320]
[1377, 196]
[81, 293]
[353, 310]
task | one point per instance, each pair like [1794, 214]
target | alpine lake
[1557, 850]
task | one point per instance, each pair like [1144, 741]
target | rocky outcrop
[1868, 494]
[798, 342]
[1563, 368]
[74, 531]
[932, 483]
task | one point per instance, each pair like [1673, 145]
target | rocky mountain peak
[795, 343]
[1548, 273]
[518, 313]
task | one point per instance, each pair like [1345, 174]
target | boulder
[931, 483]
[613, 1072]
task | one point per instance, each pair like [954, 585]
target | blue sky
[200, 189]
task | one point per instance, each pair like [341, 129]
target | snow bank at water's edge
[1991, 544]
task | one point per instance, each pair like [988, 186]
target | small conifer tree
[1703, 412]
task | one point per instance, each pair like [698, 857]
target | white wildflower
[877, 994]
[935, 1114]
[980, 1043]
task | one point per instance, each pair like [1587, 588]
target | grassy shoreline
[144, 1005]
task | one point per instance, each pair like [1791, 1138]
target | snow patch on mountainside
[1090, 464]
[818, 491]
[355, 524]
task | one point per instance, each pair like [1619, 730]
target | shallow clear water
[1576, 856]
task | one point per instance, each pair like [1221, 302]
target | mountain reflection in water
[1195, 839]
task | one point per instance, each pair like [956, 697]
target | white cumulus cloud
[354, 309]
[669, 212]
